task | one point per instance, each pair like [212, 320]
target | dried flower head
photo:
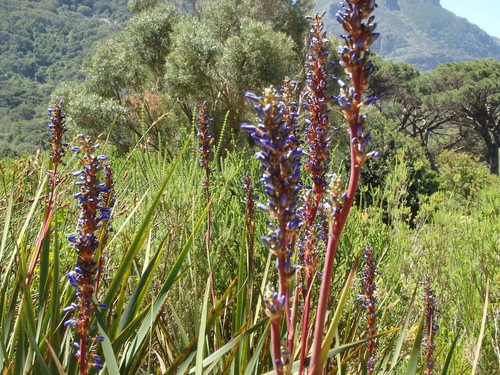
[369, 300]
[249, 201]
[430, 326]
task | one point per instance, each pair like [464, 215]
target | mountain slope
[422, 33]
[42, 43]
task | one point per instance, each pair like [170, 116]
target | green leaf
[141, 289]
[140, 235]
[327, 342]
[415, 351]
[7, 224]
[201, 333]
[402, 334]
[109, 354]
[339, 349]
[148, 323]
[256, 355]
[230, 345]
[483, 326]
[447, 362]
[34, 346]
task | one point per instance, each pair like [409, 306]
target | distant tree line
[42, 43]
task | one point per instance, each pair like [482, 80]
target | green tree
[164, 61]
[225, 53]
[401, 90]
[148, 35]
[470, 92]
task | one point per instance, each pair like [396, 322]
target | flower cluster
[107, 200]
[57, 129]
[289, 109]
[369, 300]
[336, 197]
[93, 199]
[281, 170]
[283, 363]
[430, 326]
[354, 56]
[206, 139]
[273, 304]
[316, 97]
[307, 249]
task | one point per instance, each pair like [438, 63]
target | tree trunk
[493, 154]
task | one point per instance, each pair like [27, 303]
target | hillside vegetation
[41, 44]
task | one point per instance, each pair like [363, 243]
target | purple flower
[275, 135]
[272, 304]
[57, 129]
[317, 99]
[354, 57]
[95, 199]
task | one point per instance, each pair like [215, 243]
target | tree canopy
[457, 105]
[171, 60]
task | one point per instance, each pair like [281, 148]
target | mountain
[421, 32]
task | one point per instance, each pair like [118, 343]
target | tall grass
[167, 269]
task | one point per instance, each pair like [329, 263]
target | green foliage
[169, 62]
[456, 106]
[162, 316]
[148, 37]
[470, 92]
[462, 174]
[452, 243]
[43, 43]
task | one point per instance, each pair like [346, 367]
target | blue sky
[484, 13]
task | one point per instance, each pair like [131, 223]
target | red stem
[83, 357]
[275, 343]
[305, 321]
[49, 210]
[333, 240]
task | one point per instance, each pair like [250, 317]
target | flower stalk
[57, 129]
[317, 140]
[354, 56]
[92, 198]
[280, 160]
[206, 139]
[369, 300]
